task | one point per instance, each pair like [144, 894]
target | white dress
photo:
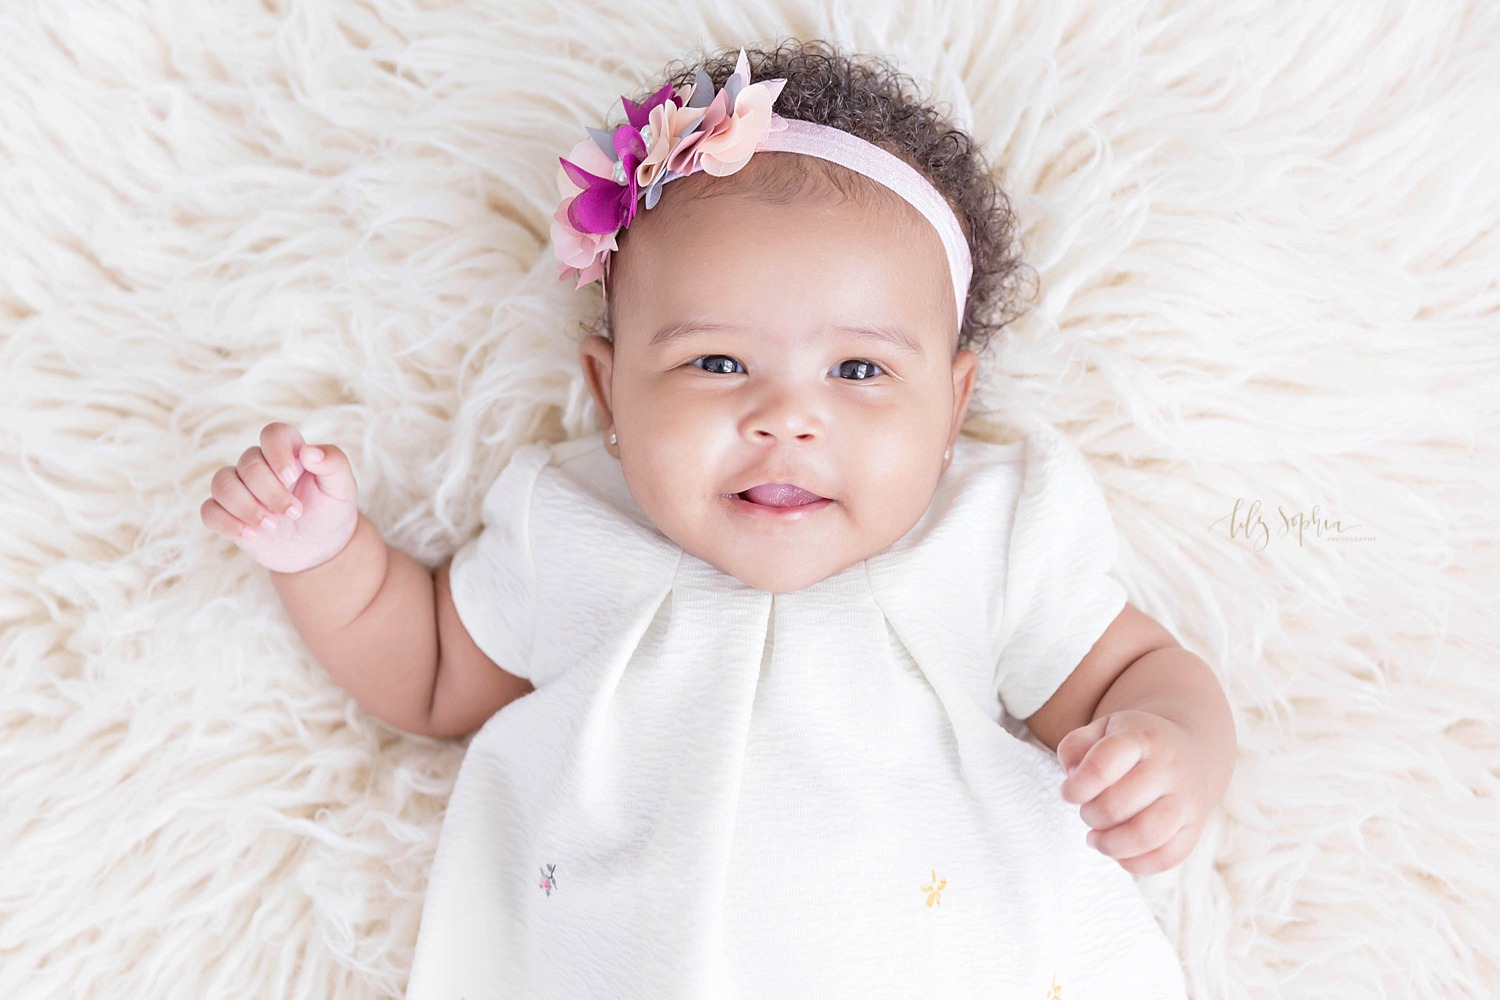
[714, 791]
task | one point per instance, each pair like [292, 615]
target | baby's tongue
[778, 495]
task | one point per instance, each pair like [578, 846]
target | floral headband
[675, 134]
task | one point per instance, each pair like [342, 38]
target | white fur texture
[1268, 239]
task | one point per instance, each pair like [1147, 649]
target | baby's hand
[310, 501]
[1143, 785]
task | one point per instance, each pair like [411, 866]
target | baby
[762, 672]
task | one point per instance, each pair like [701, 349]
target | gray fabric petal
[605, 140]
[653, 193]
[703, 90]
[733, 86]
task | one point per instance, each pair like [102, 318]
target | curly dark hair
[868, 97]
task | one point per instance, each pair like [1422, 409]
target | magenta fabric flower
[671, 134]
[606, 204]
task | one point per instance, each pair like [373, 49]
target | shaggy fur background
[1268, 240]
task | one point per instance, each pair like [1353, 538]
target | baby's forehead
[770, 181]
[808, 235]
[713, 234]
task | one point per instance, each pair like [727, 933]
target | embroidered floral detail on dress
[549, 879]
[1055, 993]
[934, 888]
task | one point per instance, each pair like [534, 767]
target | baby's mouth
[778, 495]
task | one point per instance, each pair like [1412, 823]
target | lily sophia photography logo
[1246, 521]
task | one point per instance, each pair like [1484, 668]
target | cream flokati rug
[1268, 243]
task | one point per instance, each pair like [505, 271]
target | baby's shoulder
[981, 472]
[986, 492]
[1039, 459]
[584, 470]
[973, 455]
[581, 501]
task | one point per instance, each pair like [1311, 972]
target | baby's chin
[780, 576]
[774, 583]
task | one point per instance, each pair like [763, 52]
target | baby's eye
[869, 368]
[714, 359]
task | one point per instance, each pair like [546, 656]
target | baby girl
[763, 672]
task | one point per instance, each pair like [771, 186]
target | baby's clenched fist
[289, 505]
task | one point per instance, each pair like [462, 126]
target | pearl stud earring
[611, 437]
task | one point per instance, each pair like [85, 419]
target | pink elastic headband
[677, 134]
[838, 146]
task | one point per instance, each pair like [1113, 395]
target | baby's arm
[1130, 636]
[470, 687]
[384, 627]
[1152, 741]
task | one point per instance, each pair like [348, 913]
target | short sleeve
[1061, 587]
[493, 576]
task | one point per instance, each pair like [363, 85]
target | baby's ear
[965, 372]
[597, 358]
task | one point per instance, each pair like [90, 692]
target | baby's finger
[258, 478]
[1106, 762]
[220, 520]
[280, 442]
[231, 493]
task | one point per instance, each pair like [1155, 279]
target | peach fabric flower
[727, 138]
[730, 145]
[668, 123]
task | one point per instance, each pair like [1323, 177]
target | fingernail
[268, 522]
[312, 455]
[289, 475]
[294, 512]
[247, 532]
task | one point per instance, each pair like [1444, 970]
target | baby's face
[782, 389]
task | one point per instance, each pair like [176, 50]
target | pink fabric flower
[574, 248]
[588, 156]
[580, 251]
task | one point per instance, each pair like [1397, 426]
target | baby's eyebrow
[894, 336]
